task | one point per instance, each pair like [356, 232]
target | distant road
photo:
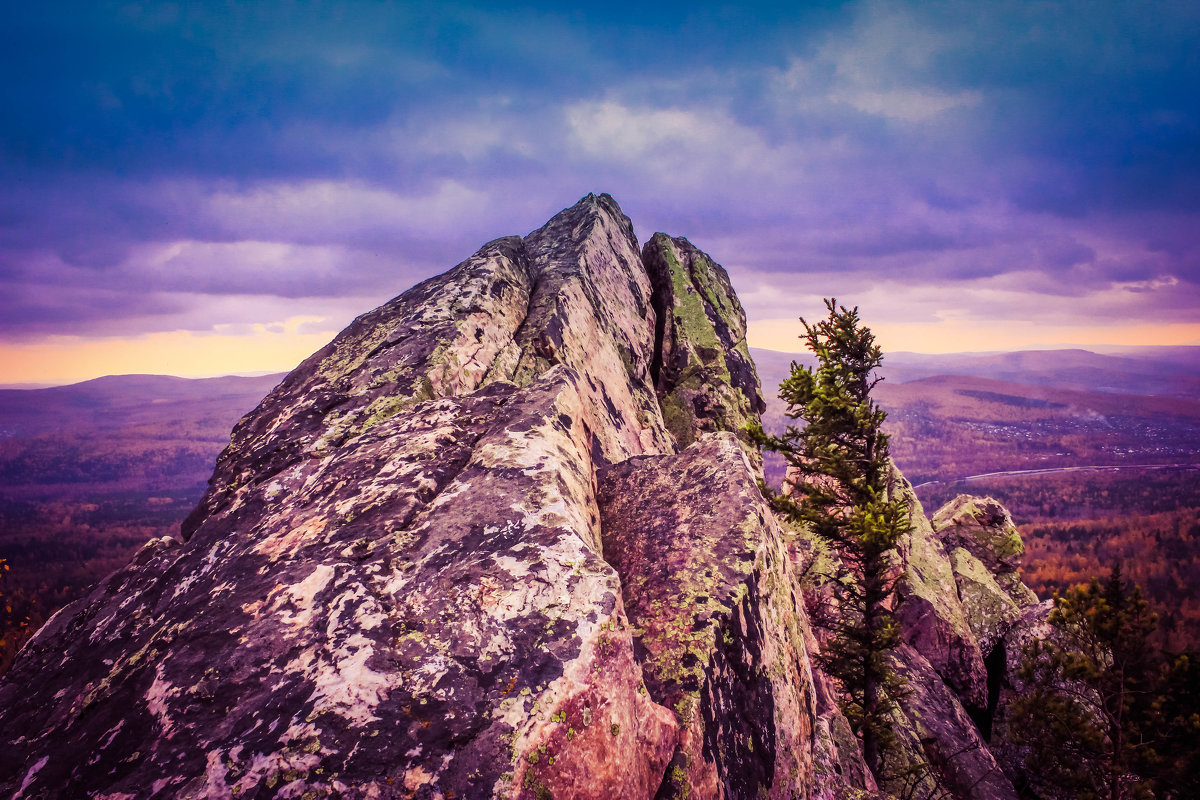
[1049, 470]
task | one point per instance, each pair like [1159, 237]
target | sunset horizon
[222, 187]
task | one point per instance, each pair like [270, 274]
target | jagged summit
[499, 538]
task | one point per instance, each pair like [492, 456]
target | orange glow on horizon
[67, 359]
[61, 360]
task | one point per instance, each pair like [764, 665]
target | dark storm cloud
[157, 157]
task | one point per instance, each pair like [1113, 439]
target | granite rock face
[704, 373]
[975, 619]
[934, 729]
[397, 585]
[502, 538]
[932, 616]
[716, 618]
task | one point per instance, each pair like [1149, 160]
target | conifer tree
[1092, 713]
[837, 486]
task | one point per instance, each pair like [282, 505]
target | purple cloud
[185, 167]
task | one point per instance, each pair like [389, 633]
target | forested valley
[90, 472]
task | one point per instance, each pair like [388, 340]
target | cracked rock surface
[502, 537]
[396, 586]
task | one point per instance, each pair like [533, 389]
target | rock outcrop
[396, 585]
[716, 619]
[703, 371]
[502, 538]
[931, 613]
[934, 731]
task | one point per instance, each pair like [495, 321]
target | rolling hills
[90, 471]
[1113, 444]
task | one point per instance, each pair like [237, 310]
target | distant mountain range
[116, 401]
[950, 414]
[143, 433]
[1157, 371]
[953, 416]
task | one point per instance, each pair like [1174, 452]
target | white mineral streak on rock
[345, 685]
[215, 785]
[224, 587]
[238, 498]
[185, 585]
[214, 552]
[302, 596]
[34, 770]
[156, 700]
[111, 734]
[100, 630]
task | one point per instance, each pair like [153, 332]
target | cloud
[908, 105]
[185, 166]
[320, 211]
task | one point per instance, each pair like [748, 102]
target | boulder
[839, 770]
[931, 615]
[989, 609]
[717, 619]
[985, 529]
[1033, 623]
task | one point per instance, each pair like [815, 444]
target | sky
[213, 188]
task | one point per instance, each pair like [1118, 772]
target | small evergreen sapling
[837, 486]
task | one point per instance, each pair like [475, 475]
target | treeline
[1159, 552]
[1077, 526]
[56, 551]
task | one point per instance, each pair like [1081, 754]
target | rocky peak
[572, 292]
[396, 585]
[499, 538]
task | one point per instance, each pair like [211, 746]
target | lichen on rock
[716, 617]
[705, 378]
[931, 613]
[985, 529]
[501, 538]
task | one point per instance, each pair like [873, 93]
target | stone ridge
[395, 584]
[498, 539]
